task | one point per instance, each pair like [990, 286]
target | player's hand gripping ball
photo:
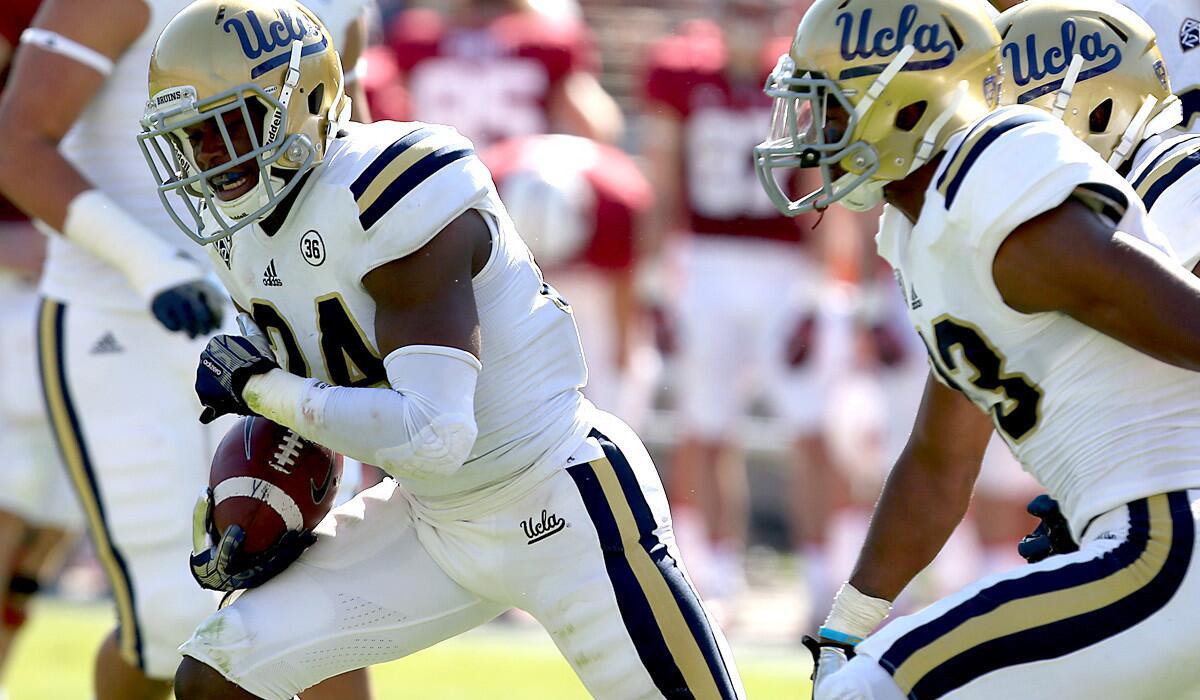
[268, 488]
[227, 363]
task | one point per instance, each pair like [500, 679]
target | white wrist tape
[59, 44]
[855, 614]
[422, 428]
[95, 223]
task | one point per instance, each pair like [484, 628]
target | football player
[1053, 313]
[1119, 103]
[529, 72]
[580, 206]
[1177, 24]
[409, 328]
[1122, 104]
[123, 311]
[751, 286]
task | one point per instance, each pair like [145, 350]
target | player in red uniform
[580, 205]
[751, 280]
[495, 69]
[37, 511]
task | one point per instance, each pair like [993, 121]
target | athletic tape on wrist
[855, 614]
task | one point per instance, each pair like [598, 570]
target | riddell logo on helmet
[258, 41]
[861, 40]
[1030, 63]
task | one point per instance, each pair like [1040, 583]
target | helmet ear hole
[315, 98]
[908, 117]
[1100, 117]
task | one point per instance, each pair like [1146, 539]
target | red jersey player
[495, 69]
[579, 205]
[750, 285]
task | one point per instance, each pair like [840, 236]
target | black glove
[226, 364]
[193, 308]
[223, 567]
[1051, 536]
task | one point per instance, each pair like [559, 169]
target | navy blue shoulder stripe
[408, 181]
[363, 181]
[973, 147]
[1166, 170]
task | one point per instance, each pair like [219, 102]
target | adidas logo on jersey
[914, 300]
[270, 277]
[107, 345]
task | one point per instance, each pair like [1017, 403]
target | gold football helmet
[271, 63]
[871, 90]
[1093, 63]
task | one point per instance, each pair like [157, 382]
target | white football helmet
[272, 61]
[1096, 65]
[905, 75]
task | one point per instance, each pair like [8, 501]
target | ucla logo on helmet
[258, 41]
[1030, 63]
[862, 40]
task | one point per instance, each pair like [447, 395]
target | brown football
[268, 479]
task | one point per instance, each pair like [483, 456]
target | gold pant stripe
[74, 455]
[1038, 610]
[674, 628]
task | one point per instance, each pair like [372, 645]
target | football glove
[224, 567]
[193, 308]
[828, 658]
[226, 365]
[1051, 536]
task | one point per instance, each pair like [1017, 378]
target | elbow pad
[438, 384]
[421, 428]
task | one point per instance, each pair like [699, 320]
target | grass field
[54, 658]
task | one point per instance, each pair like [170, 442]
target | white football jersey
[1177, 24]
[383, 191]
[1168, 182]
[1096, 422]
[102, 145]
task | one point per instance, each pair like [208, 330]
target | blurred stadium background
[772, 592]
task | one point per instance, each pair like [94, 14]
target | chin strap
[881, 83]
[1068, 87]
[285, 94]
[929, 141]
[1133, 134]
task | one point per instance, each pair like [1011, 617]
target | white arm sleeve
[151, 265]
[421, 428]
